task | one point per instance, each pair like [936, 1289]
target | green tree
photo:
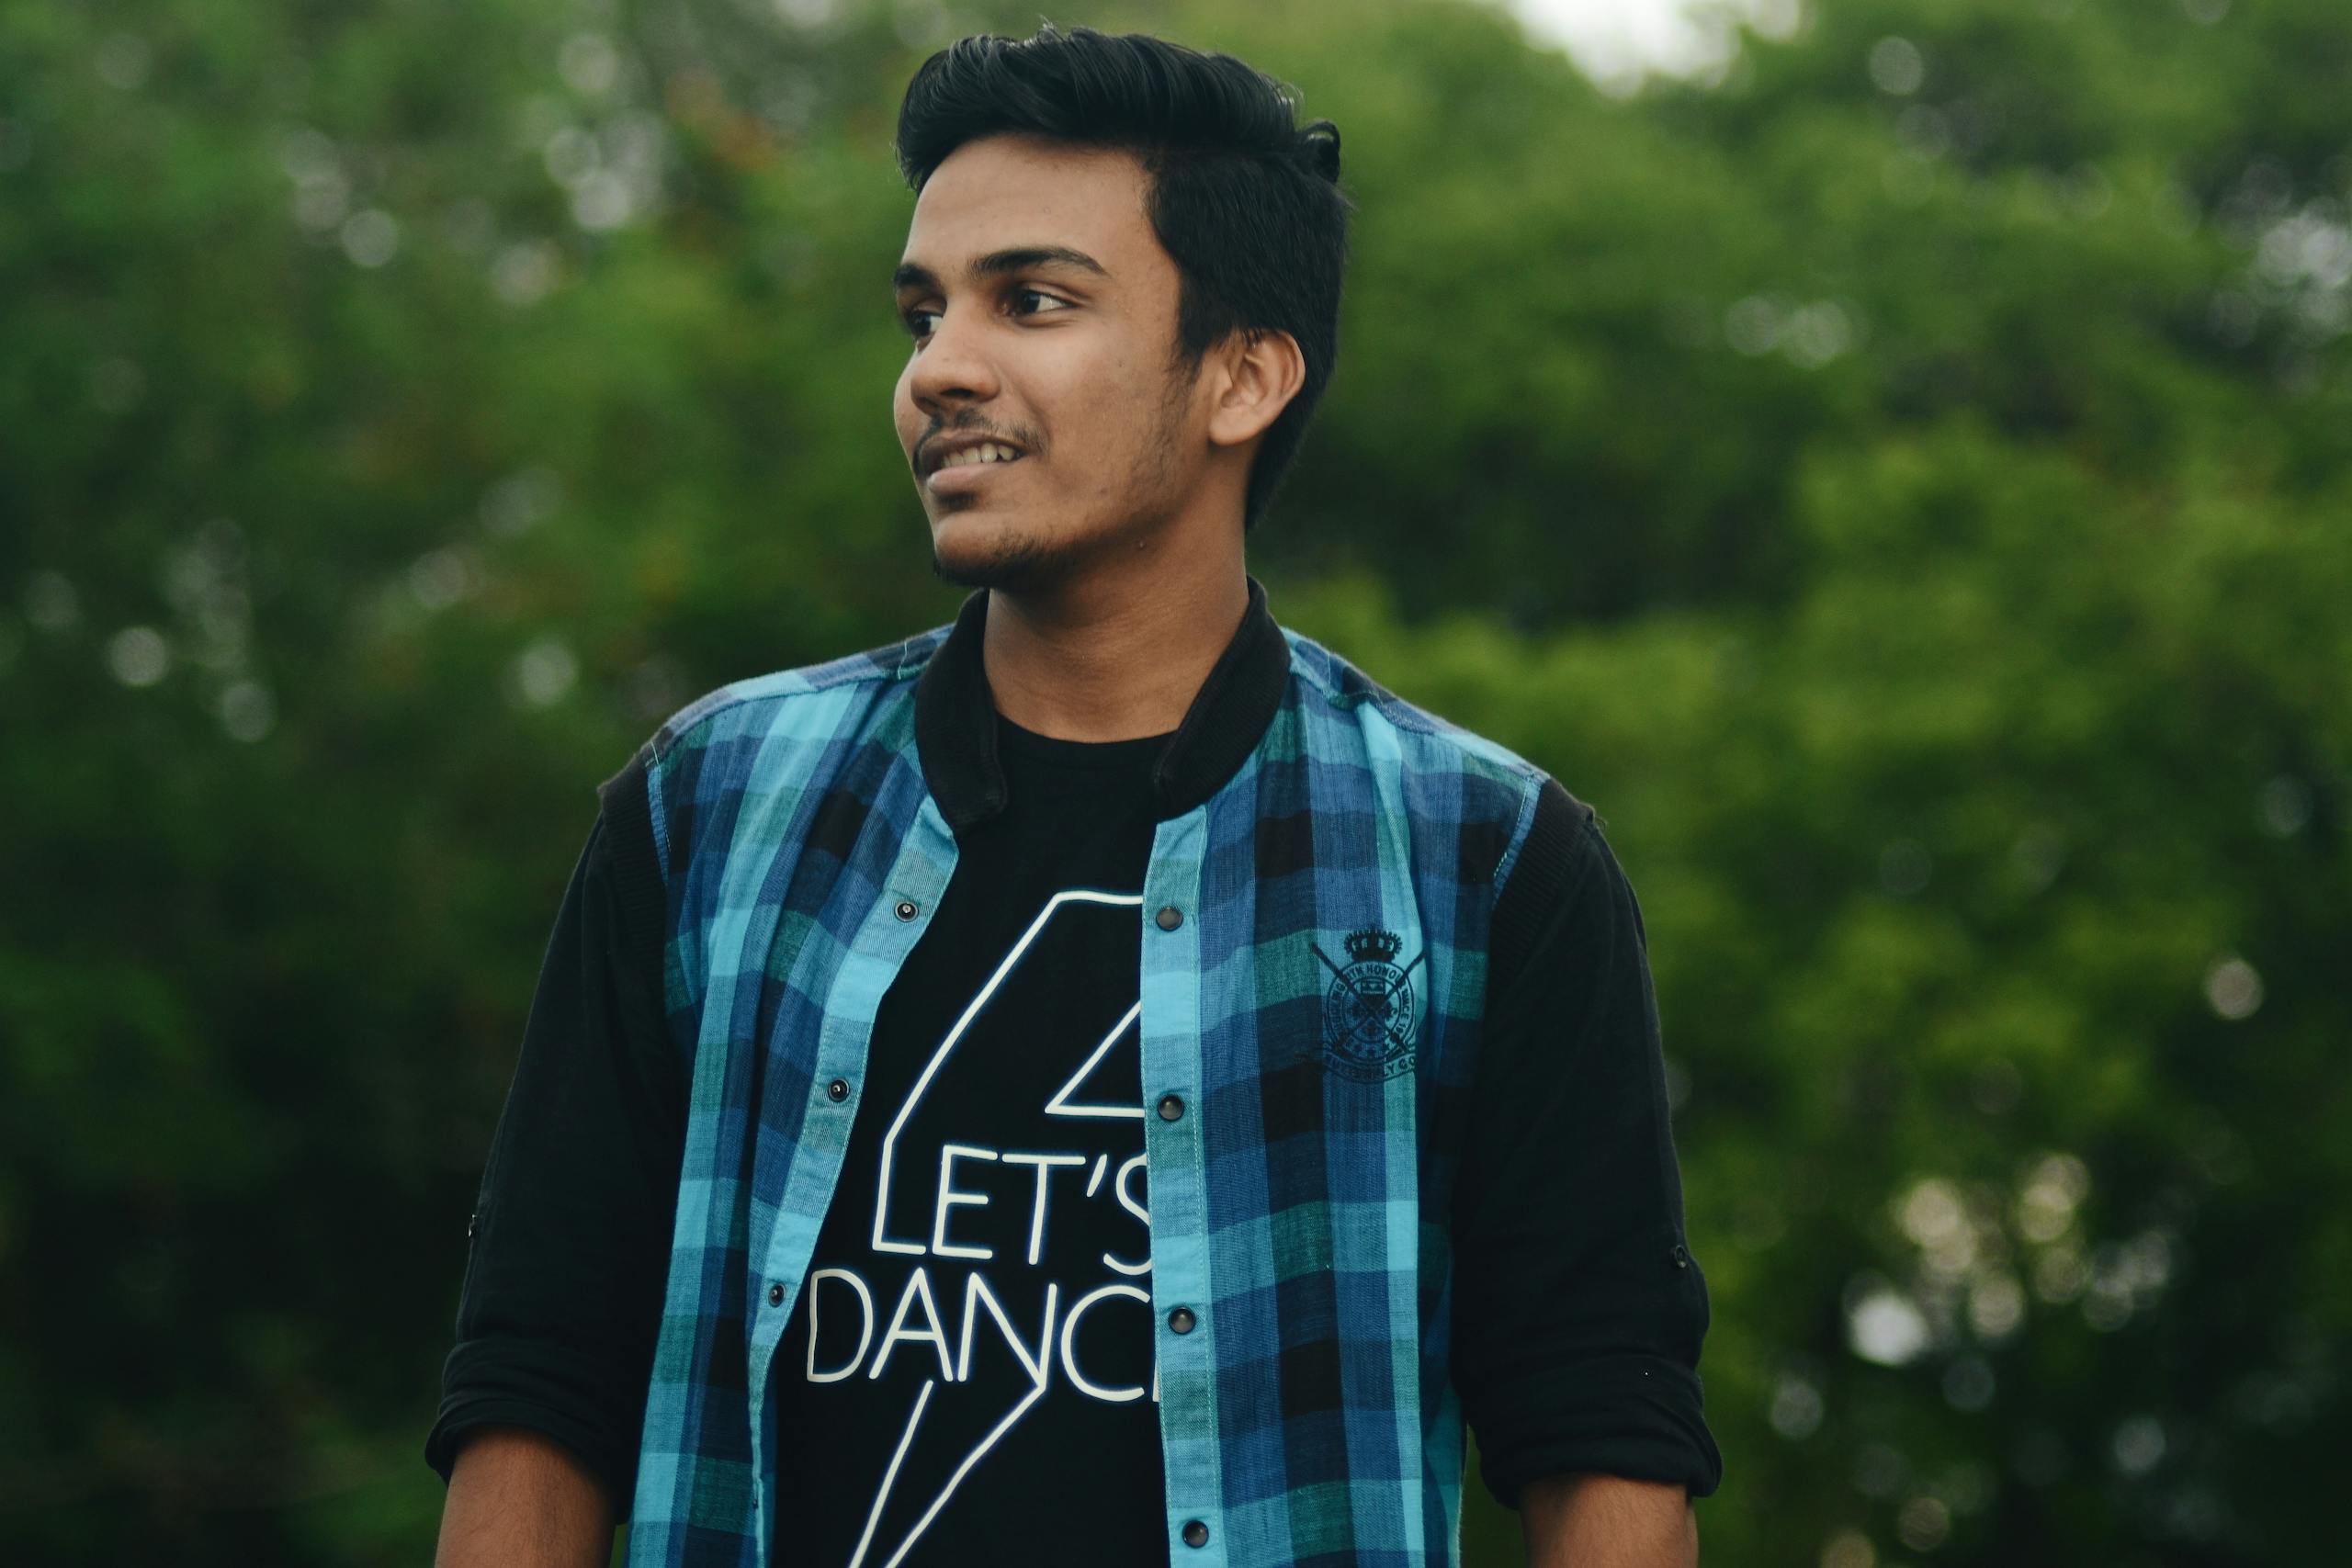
[1899, 484]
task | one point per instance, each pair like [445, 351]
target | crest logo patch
[1368, 1013]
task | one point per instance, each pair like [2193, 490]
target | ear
[1260, 370]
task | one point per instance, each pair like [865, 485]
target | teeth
[986, 452]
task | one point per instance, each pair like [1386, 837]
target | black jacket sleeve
[571, 1239]
[1579, 1309]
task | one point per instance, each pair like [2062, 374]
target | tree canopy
[1902, 484]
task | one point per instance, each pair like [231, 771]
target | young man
[1102, 1082]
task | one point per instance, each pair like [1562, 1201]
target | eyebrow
[997, 264]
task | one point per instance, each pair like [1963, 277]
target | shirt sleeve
[571, 1239]
[1579, 1309]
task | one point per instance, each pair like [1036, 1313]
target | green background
[1903, 484]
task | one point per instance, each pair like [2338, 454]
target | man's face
[1043, 310]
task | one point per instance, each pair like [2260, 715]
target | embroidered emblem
[1368, 1011]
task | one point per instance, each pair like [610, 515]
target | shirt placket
[884, 937]
[1184, 1302]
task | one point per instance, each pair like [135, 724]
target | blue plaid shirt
[1313, 970]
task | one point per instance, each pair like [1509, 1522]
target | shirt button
[1196, 1533]
[775, 1295]
[1681, 1256]
[1167, 919]
[1182, 1320]
[1171, 1108]
[837, 1090]
[906, 910]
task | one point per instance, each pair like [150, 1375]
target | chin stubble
[1018, 564]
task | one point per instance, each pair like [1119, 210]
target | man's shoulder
[709, 747]
[1531, 813]
[1427, 738]
[789, 700]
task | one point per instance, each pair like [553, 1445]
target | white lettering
[1069, 1353]
[918, 1284]
[1133, 1205]
[881, 1204]
[949, 1196]
[1044, 1164]
[976, 1293]
[864, 1323]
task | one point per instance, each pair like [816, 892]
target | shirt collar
[955, 717]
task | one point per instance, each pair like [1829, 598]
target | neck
[1112, 657]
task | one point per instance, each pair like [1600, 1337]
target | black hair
[1245, 200]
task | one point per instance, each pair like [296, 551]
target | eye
[914, 319]
[1039, 294]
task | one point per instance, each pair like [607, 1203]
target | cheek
[1101, 405]
[902, 406]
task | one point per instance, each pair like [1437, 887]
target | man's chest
[999, 1148]
[971, 1351]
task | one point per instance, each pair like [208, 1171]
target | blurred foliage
[1903, 483]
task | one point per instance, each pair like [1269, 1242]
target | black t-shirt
[981, 1359]
[1578, 1312]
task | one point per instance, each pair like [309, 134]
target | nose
[953, 366]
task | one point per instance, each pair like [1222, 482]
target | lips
[966, 451]
[965, 478]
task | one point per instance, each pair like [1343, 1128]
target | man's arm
[520, 1499]
[544, 1393]
[1579, 1309]
[1607, 1521]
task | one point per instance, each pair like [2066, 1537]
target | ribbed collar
[955, 717]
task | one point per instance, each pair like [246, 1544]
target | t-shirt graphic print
[968, 1368]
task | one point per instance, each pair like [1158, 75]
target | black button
[1196, 1533]
[775, 1295]
[1169, 918]
[473, 1221]
[1681, 1256]
[1171, 1108]
[906, 910]
[1182, 1320]
[837, 1090]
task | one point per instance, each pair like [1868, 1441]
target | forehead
[1010, 190]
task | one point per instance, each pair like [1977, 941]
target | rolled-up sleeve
[1579, 1307]
[569, 1239]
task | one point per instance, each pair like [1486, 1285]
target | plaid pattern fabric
[1317, 1006]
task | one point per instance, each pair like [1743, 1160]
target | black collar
[955, 717]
